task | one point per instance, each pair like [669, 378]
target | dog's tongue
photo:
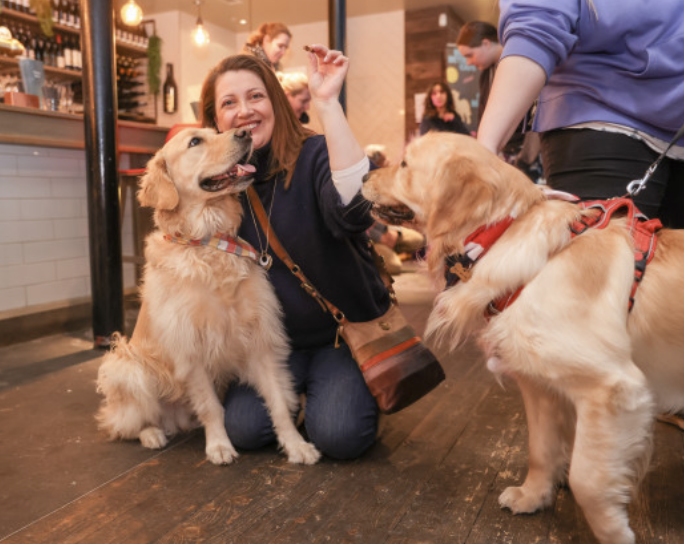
[245, 169]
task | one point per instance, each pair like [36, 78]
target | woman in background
[269, 43]
[440, 111]
[296, 87]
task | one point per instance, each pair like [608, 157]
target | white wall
[44, 249]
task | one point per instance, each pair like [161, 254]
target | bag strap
[284, 256]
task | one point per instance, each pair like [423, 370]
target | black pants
[595, 164]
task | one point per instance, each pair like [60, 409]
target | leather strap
[284, 256]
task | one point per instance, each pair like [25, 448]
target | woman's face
[438, 97]
[300, 102]
[276, 47]
[482, 56]
[242, 101]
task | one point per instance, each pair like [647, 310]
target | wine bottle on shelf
[170, 91]
[55, 11]
[68, 54]
[59, 53]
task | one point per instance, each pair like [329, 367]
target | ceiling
[229, 13]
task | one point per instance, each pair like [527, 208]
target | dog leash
[636, 186]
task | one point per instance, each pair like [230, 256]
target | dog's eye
[195, 141]
[403, 164]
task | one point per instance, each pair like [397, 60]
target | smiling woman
[320, 218]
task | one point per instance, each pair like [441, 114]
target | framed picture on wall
[464, 83]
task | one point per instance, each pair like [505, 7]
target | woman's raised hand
[327, 70]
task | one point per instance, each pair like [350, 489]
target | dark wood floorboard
[434, 476]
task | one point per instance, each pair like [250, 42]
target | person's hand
[389, 238]
[327, 70]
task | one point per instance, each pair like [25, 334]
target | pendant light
[131, 13]
[200, 35]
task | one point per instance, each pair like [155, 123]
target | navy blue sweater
[327, 240]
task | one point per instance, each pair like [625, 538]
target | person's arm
[517, 83]
[327, 70]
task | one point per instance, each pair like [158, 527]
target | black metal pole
[99, 112]
[337, 35]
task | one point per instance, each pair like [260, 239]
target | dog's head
[192, 181]
[447, 186]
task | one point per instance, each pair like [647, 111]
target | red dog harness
[643, 231]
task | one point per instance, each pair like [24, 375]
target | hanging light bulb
[200, 34]
[131, 13]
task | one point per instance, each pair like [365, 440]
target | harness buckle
[461, 271]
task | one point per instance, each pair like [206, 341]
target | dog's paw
[520, 501]
[303, 453]
[221, 454]
[153, 438]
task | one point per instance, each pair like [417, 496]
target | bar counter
[44, 262]
[35, 127]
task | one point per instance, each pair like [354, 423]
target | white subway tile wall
[44, 255]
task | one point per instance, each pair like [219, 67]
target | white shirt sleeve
[348, 181]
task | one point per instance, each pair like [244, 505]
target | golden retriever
[207, 316]
[592, 374]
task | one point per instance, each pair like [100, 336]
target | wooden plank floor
[433, 477]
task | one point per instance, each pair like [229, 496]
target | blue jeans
[341, 414]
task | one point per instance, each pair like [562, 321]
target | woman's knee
[345, 438]
[246, 418]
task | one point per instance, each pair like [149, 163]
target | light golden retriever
[207, 316]
[592, 374]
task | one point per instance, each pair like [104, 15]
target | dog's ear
[156, 188]
[464, 193]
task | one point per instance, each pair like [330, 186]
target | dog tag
[265, 260]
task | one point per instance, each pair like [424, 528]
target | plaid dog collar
[222, 242]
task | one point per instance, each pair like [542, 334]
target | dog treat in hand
[308, 48]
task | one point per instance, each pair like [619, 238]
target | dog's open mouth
[395, 215]
[240, 174]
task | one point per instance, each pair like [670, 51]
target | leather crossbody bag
[396, 365]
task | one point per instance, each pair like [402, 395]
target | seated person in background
[296, 87]
[440, 111]
[269, 43]
[390, 240]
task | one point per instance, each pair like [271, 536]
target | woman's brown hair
[288, 133]
[267, 29]
[430, 110]
[472, 34]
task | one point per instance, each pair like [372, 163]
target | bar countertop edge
[34, 127]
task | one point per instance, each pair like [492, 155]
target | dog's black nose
[366, 177]
[241, 133]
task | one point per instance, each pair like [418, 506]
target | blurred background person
[439, 113]
[269, 43]
[478, 42]
[391, 242]
[296, 87]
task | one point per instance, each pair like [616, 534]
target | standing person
[269, 43]
[478, 42]
[440, 111]
[296, 87]
[309, 184]
[611, 95]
